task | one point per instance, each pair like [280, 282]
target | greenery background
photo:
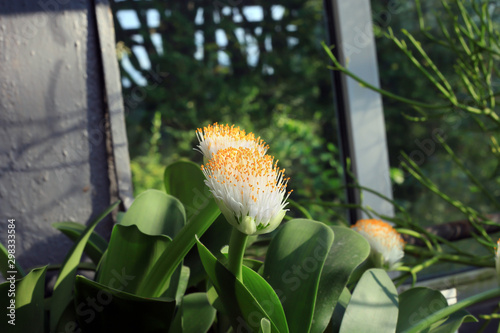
[268, 75]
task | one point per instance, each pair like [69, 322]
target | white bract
[386, 243]
[248, 187]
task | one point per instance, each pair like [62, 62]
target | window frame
[360, 114]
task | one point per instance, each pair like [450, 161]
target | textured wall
[53, 156]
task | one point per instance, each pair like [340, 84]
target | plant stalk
[237, 245]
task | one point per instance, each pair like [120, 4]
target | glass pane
[261, 67]
[417, 135]
[452, 145]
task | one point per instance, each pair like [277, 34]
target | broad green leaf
[63, 287]
[416, 304]
[68, 321]
[373, 307]
[214, 239]
[254, 264]
[353, 249]
[130, 257]
[293, 267]
[447, 312]
[104, 309]
[185, 181]
[28, 294]
[339, 311]
[157, 282]
[246, 304]
[6, 262]
[156, 213]
[96, 245]
[214, 300]
[183, 284]
[266, 296]
[195, 315]
[453, 322]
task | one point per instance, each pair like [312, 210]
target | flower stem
[237, 245]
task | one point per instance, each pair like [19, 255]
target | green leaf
[104, 309]
[158, 280]
[254, 264]
[29, 303]
[195, 315]
[156, 213]
[96, 245]
[266, 296]
[444, 314]
[64, 284]
[68, 321]
[183, 284]
[185, 181]
[293, 267]
[214, 300]
[339, 311]
[373, 307]
[353, 249]
[246, 304]
[454, 321]
[6, 261]
[130, 257]
[199, 220]
[214, 239]
[416, 304]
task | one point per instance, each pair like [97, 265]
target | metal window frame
[360, 116]
[118, 143]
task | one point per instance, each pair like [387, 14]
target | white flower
[385, 242]
[248, 187]
[214, 137]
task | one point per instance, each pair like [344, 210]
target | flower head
[386, 243]
[248, 187]
[214, 137]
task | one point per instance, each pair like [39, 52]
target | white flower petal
[249, 187]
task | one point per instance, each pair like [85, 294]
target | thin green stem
[467, 172]
[487, 318]
[363, 83]
[237, 245]
[415, 250]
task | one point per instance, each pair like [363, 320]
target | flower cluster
[386, 243]
[215, 137]
[247, 184]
